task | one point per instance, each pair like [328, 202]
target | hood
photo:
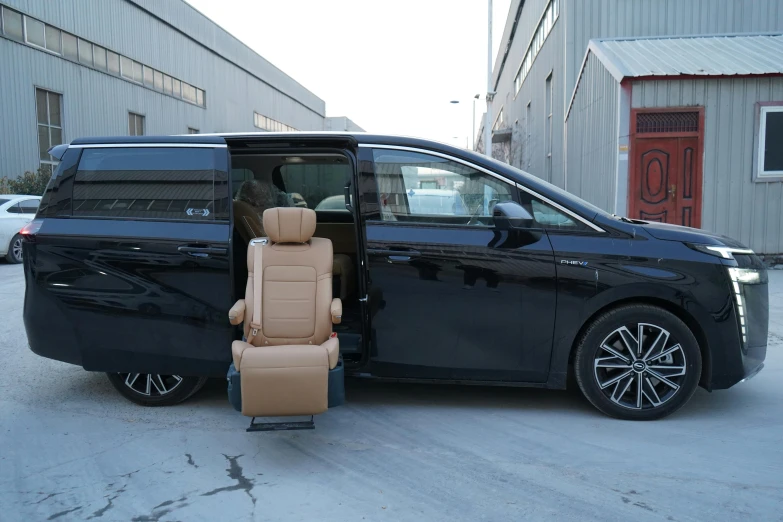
[669, 232]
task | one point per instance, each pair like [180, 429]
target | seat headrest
[289, 224]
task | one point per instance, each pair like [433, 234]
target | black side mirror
[509, 214]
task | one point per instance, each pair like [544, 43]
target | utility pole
[490, 92]
[473, 129]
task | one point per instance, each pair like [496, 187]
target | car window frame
[220, 177]
[375, 217]
[37, 206]
[512, 189]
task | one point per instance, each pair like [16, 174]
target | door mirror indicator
[509, 214]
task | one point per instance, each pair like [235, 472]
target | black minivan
[452, 267]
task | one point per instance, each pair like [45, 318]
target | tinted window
[14, 209]
[4, 201]
[423, 188]
[29, 206]
[549, 217]
[310, 186]
[152, 183]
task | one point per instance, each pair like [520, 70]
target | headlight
[747, 276]
[720, 251]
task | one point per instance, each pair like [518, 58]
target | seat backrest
[296, 280]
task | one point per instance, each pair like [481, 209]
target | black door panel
[462, 309]
[135, 302]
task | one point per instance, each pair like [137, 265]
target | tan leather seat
[289, 349]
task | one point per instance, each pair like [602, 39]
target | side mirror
[509, 214]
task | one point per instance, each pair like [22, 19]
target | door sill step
[281, 426]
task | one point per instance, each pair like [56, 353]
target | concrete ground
[72, 449]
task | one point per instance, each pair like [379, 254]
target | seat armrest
[332, 346]
[337, 310]
[237, 313]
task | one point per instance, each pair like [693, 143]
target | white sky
[391, 66]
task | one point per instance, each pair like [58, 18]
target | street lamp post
[473, 127]
[490, 92]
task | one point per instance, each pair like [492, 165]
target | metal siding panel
[592, 136]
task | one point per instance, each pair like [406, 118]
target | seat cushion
[284, 380]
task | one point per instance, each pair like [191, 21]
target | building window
[33, 32]
[12, 25]
[268, 124]
[135, 124]
[48, 106]
[85, 52]
[191, 130]
[99, 54]
[53, 40]
[770, 154]
[545, 25]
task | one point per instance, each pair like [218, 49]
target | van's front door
[134, 250]
[451, 296]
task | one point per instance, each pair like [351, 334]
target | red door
[666, 166]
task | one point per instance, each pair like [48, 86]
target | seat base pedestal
[281, 426]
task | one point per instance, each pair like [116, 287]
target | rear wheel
[638, 362]
[14, 254]
[155, 389]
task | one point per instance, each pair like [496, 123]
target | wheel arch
[684, 315]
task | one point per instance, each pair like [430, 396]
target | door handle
[673, 192]
[201, 251]
[399, 259]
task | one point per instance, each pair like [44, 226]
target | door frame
[632, 170]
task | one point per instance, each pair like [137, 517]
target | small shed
[683, 130]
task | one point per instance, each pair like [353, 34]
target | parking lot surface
[71, 448]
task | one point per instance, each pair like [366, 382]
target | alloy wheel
[16, 249]
[640, 366]
[151, 384]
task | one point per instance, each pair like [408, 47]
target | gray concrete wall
[236, 81]
[732, 203]
[592, 136]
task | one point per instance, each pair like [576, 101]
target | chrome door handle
[198, 251]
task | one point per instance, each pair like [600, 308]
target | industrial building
[660, 110]
[133, 67]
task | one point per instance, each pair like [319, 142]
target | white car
[15, 212]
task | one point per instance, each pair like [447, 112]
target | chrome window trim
[148, 145]
[486, 171]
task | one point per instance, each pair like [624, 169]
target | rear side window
[146, 183]
[29, 206]
[4, 201]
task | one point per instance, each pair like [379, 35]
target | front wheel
[14, 254]
[638, 362]
[154, 389]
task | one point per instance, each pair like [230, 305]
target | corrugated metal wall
[588, 19]
[95, 103]
[733, 204]
[564, 51]
[591, 136]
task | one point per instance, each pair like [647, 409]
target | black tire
[134, 388]
[14, 254]
[625, 385]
